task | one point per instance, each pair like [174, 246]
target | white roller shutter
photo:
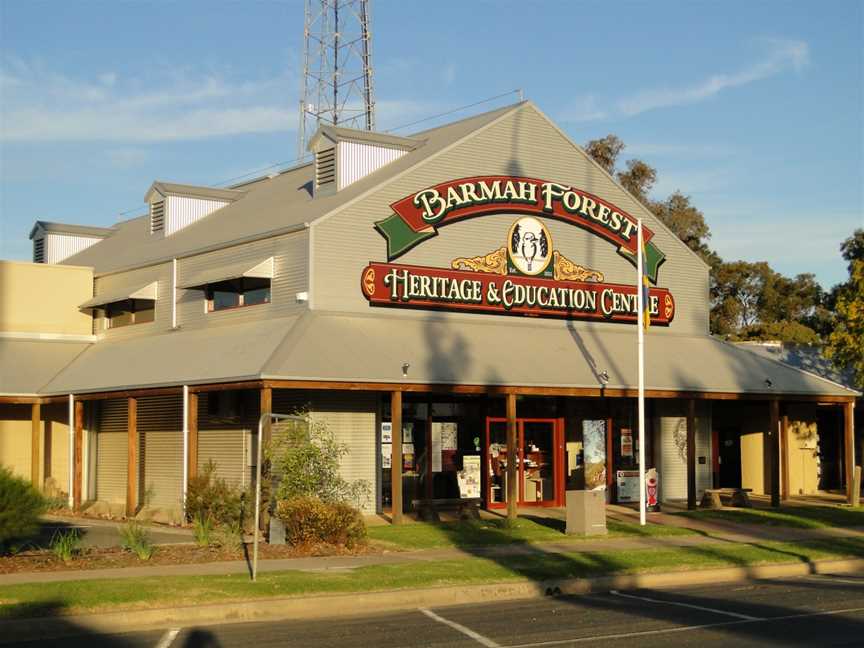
[672, 462]
[111, 451]
[160, 426]
[226, 444]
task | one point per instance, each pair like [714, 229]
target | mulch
[45, 560]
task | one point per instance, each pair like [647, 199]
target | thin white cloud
[583, 109]
[41, 105]
[782, 56]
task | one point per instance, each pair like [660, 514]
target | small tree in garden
[306, 458]
[20, 507]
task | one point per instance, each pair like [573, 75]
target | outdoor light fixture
[604, 377]
[405, 367]
[768, 383]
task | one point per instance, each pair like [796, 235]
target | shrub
[20, 508]
[306, 459]
[135, 539]
[211, 498]
[202, 530]
[228, 536]
[309, 520]
[66, 544]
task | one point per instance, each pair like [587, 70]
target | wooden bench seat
[467, 508]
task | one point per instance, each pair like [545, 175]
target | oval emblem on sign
[529, 246]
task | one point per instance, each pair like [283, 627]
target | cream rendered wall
[44, 299]
[523, 144]
[15, 438]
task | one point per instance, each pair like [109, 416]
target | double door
[539, 457]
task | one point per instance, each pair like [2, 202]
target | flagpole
[640, 325]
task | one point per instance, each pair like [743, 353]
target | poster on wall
[626, 443]
[408, 432]
[387, 432]
[449, 436]
[386, 455]
[469, 477]
[628, 485]
[437, 438]
[594, 442]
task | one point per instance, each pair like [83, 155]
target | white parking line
[643, 633]
[168, 638]
[736, 615]
[476, 636]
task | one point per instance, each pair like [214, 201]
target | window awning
[111, 296]
[261, 270]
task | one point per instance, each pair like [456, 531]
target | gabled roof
[67, 228]
[336, 134]
[270, 207]
[193, 191]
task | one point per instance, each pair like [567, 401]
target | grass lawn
[799, 517]
[42, 599]
[497, 532]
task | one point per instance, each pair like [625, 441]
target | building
[464, 281]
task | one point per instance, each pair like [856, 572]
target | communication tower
[337, 68]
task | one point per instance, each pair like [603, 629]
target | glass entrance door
[536, 458]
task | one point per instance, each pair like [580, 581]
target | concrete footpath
[707, 533]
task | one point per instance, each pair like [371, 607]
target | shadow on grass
[796, 517]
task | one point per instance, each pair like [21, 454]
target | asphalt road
[806, 611]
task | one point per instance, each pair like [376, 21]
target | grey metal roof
[67, 228]
[494, 351]
[440, 348]
[27, 365]
[356, 135]
[196, 191]
[806, 357]
[270, 207]
[217, 354]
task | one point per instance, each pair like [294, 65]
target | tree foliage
[845, 345]
[605, 152]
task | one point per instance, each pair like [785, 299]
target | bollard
[856, 486]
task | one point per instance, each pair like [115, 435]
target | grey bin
[586, 512]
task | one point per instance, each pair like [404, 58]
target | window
[238, 292]
[129, 311]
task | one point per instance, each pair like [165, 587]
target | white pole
[640, 325]
[185, 443]
[71, 447]
[173, 293]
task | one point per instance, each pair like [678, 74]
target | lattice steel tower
[337, 68]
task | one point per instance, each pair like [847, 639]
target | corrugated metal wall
[181, 211]
[290, 271]
[112, 451]
[357, 160]
[133, 280]
[160, 426]
[672, 444]
[61, 246]
[525, 144]
[227, 444]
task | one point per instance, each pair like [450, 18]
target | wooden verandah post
[512, 459]
[132, 447]
[78, 459]
[396, 457]
[35, 434]
[849, 447]
[773, 442]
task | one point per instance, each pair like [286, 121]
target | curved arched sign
[417, 217]
[525, 274]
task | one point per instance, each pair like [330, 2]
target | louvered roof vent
[175, 206]
[55, 242]
[345, 155]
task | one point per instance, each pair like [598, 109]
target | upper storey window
[236, 293]
[129, 311]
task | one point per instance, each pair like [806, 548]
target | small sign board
[628, 485]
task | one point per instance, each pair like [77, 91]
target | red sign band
[388, 284]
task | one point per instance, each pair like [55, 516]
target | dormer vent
[55, 242]
[157, 216]
[325, 167]
[344, 155]
[175, 206]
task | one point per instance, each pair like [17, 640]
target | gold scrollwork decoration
[493, 263]
[566, 270]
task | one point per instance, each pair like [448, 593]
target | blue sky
[753, 108]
